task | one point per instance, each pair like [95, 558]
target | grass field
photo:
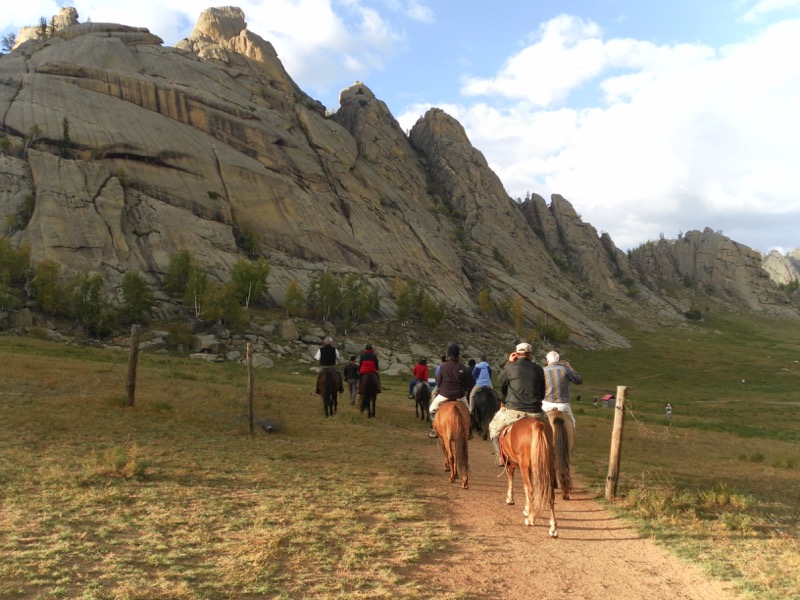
[174, 499]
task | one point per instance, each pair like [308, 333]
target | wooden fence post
[133, 359]
[616, 444]
[249, 354]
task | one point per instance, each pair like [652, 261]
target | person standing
[453, 379]
[328, 357]
[420, 374]
[482, 374]
[522, 385]
[669, 410]
[557, 377]
[351, 375]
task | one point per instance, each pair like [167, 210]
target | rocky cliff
[132, 151]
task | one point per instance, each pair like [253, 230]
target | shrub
[693, 315]
[137, 298]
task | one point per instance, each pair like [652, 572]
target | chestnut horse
[451, 425]
[563, 436]
[528, 444]
[368, 388]
[422, 400]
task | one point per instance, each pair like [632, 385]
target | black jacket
[522, 384]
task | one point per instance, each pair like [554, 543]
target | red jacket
[368, 363]
[421, 372]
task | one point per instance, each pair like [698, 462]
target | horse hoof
[566, 496]
[509, 502]
[552, 534]
[528, 523]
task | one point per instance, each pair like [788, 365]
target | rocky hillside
[133, 151]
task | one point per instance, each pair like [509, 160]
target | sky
[652, 118]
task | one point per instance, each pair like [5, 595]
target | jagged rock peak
[66, 16]
[225, 28]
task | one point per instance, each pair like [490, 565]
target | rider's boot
[496, 451]
[432, 433]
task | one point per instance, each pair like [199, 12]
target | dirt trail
[596, 556]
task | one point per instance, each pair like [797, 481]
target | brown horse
[368, 388]
[528, 444]
[563, 436]
[328, 383]
[451, 425]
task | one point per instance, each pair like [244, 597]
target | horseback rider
[482, 373]
[522, 384]
[453, 379]
[368, 363]
[328, 357]
[557, 377]
[420, 374]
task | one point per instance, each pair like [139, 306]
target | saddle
[500, 438]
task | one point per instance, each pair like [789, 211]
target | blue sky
[651, 118]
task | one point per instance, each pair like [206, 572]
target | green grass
[727, 439]
[174, 499]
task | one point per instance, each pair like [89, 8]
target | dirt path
[595, 556]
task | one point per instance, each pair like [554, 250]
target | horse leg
[510, 475]
[451, 458]
[553, 532]
[528, 484]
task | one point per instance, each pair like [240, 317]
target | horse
[368, 388]
[486, 403]
[328, 385]
[563, 442]
[422, 400]
[528, 444]
[451, 425]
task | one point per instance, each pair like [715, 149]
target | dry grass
[174, 499]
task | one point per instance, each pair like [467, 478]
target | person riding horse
[556, 398]
[368, 363]
[453, 379]
[328, 357]
[522, 384]
[420, 374]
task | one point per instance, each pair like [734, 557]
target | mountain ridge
[183, 148]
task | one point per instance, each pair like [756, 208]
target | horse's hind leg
[510, 476]
[528, 484]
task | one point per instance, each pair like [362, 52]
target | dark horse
[563, 436]
[451, 425]
[486, 404]
[422, 400]
[528, 444]
[328, 384]
[368, 389]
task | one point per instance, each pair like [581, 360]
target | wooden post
[133, 359]
[249, 354]
[616, 444]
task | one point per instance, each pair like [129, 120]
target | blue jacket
[482, 374]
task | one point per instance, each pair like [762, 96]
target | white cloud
[765, 8]
[683, 137]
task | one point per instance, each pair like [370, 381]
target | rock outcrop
[129, 151]
[709, 263]
[782, 269]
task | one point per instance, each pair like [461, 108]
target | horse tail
[460, 441]
[561, 449]
[543, 470]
